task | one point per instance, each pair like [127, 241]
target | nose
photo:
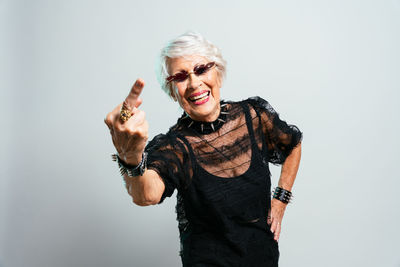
[193, 81]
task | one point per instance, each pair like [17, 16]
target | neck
[212, 117]
[207, 126]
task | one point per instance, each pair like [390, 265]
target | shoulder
[158, 141]
[260, 104]
[171, 141]
[255, 104]
[256, 101]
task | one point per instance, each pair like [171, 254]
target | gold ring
[125, 114]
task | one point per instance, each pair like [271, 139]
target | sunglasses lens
[180, 77]
[199, 70]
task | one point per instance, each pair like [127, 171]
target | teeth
[199, 96]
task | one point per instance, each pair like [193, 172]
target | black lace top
[222, 176]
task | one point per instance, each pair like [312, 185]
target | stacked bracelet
[282, 194]
[129, 170]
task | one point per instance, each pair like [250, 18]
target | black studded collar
[203, 127]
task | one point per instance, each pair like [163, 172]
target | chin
[204, 112]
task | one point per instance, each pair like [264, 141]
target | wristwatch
[131, 171]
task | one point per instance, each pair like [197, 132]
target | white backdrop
[330, 67]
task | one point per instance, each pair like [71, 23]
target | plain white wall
[330, 67]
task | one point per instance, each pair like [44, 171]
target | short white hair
[187, 44]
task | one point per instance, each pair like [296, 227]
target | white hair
[189, 43]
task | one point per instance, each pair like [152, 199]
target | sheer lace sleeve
[166, 156]
[280, 137]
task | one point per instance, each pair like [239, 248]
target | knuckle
[108, 120]
[142, 132]
[137, 132]
[126, 104]
[131, 131]
[119, 128]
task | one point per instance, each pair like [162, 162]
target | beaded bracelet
[282, 194]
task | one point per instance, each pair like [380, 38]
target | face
[199, 95]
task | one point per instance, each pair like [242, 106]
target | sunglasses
[183, 75]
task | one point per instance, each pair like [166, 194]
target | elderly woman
[216, 156]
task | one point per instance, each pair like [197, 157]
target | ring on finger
[125, 113]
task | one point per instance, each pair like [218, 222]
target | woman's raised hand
[130, 136]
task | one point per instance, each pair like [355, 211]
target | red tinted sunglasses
[183, 75]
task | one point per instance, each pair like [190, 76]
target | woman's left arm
[286, 181]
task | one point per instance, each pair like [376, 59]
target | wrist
[282, 195]
[131, 160]
[131, 170]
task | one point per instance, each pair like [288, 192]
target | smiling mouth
[200, 97]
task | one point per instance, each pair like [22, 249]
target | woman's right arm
[145, 190]
[129, 138]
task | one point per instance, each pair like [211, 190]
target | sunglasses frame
[174, 78]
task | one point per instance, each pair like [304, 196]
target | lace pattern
[226, 153]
